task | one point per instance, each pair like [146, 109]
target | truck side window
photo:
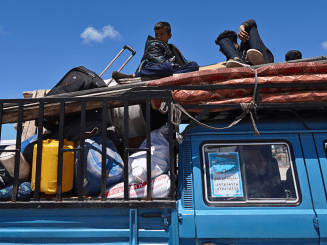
[249, 173]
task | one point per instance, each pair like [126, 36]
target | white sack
[160, 188]
[159, 158]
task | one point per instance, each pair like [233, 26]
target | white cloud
[91, 34]
[324, 45]
[3, 32]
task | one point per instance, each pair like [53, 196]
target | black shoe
[117, 75]
[236, 62]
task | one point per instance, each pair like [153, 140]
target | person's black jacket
[157, 51]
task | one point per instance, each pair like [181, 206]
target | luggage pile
[78, 79]
[160, 166]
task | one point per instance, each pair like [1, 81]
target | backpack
[77, 79]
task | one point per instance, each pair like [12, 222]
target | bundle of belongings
[77, 79]
[7, 166]
[137, 166]
[160, 166]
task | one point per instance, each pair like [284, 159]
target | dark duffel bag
[77, 79]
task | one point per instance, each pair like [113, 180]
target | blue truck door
[316, 169]
[255, 223]
[185, 195]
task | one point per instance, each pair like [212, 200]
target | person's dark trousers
[228, 49]
[165, 69]
[151, 69]
[188, 67]
[255, 42]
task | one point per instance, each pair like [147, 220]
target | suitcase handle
[130, 49]
[121, 51]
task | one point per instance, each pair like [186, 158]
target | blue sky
[41, 40]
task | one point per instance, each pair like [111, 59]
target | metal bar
[126, 146]
[81, 163]
[104, 150]
[123, 65]
[70, 150]
[148, 146]
[17, 154]
[94, 204]
[171, 152]
[232, 86]
[318, 59]
[1, 108]
[136, 149]
[37, 176]
[60, 153]
[133, 227]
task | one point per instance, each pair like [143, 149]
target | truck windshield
[249, 173]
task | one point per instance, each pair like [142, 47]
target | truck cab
[238, 188]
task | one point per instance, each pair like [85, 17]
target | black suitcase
[77, 79]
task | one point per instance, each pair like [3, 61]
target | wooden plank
[10, 115]
[29, 128]
[214, 66]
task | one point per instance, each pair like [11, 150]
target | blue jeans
[165, 69]
[228, 49]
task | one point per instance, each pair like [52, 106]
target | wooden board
[29, 128]
[31, 112]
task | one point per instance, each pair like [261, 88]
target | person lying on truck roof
[160, 59]
[251, 51]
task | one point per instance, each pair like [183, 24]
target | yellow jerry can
[49, 167]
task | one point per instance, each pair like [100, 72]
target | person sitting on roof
[251, 50]
[160, 59]
[293, 55]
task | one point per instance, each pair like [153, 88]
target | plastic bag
[8, 161]
[159, 157]
[160, 188]
[24, 191]
[93, 166]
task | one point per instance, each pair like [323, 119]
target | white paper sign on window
[225, 174]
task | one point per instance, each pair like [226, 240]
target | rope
[176, 121]
[177, 110]
[163, 107]
[247, 109]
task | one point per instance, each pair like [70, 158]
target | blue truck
[232, 186]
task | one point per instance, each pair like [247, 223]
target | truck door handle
[152, 215]
[165, 216]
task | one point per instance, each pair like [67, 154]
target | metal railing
[80, 201]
